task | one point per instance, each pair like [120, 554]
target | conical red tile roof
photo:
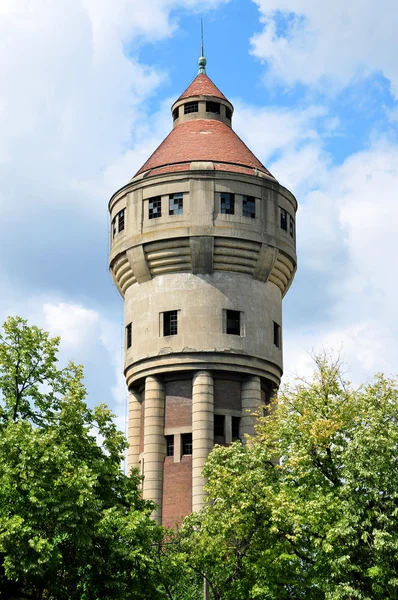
[202, 140]
[202, 85]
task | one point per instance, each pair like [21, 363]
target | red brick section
[202, 85]
[178, 411]
[202, 140]
[227, 394]
[177, 490]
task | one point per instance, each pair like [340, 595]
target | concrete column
[134, 429]
[154, 443]
[251, 402]
[202, 431]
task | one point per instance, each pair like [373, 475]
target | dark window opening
[213, 107]
[291, 226]
[228, 113]
[233, 322]
[114, 227]
[170, 322]
[175, 204]
[227, 203]
[219, 429]
[283, 219]
[190, 107]
[169, 445]
[121, 221]
[277, 335]
[128, 335]
[155, 207]
[235, 428]
[186, 443]
[176, 113]
[249, 207]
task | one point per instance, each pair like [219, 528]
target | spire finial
[202, 61]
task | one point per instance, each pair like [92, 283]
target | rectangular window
[169, 445]
[227, 203]
[176, 113]
[283, 219]
[121, 221]
[113, 226]
[176, 204]
[190, 107]
[155, 207]
[213, 107]
[277, 335]
[249, 207]
[219, 429]
[170, 322]
[235, 428]
[228, 113]
[291, 226]
[233, 322]
[186, 444]
[128, 335]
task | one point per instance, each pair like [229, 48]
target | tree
[308, 509]
[72, 525]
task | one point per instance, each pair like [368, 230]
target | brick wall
[227, 394]
[178, 411]
[177, 490]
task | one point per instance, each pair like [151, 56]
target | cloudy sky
[85, 94]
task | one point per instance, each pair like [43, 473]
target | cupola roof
[202, 85]
[203, 135]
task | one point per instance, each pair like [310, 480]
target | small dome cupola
[202, 133]
[202, 100]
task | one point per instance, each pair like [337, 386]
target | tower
[202, 251]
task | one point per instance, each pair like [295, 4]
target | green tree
[72, 525]
[321, 522]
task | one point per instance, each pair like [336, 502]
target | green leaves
[72, 525]
[320, 522]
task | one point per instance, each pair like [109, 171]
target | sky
[85, 96]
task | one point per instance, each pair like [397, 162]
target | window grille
[121, 221]
[191, 107]
[155, 207]
[186, 445]
[249, 207]
[228, 113]
[176, 113]
[169, 445]
[227, 203]
[291, 226]
[283, 219]
[170, 322]
[175, 204]
[213, 107]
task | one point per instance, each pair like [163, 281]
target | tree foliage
[72, 525]
[309, 508]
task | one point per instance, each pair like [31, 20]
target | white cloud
[308, 41]
[347, 237]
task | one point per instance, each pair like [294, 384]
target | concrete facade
[203, 287]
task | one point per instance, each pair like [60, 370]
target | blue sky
[86, 95]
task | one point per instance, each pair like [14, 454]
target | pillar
[251, 402]
[202, 431]
[154, 444]
[134, 429]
